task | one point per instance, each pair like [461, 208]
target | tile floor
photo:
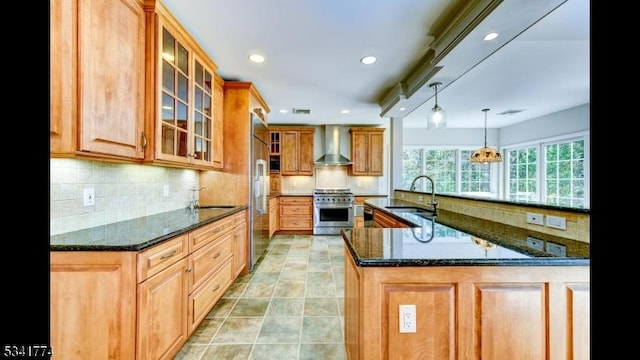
[289, 307]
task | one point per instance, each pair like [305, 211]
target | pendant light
[437, 117]
[486, 154]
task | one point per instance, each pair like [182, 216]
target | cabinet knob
[189, 269]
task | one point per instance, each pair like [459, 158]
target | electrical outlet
[556, 249]
[535, 243]
[407, 318]
[401, 195]
[89, 197]
[535, 218]
[557, 222]
[420, 198]
[165, 190]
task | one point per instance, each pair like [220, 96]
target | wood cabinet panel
[208, 233]
[162, 305]
[435, 336]
[206, 260]
[275, 183]
[97, 79]
[240, 249]
[205, 297]
[274, 207]
[158, 258]
[367, 151]
[92, 298]
[502, 309]
[297, 151]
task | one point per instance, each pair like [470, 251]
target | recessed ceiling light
[368, 60]
[403, 109]
[256, 58]
[490, 36]
[284, 111]
[344, 111]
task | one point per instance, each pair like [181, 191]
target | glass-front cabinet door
[175, 99]
[186, 123]
[202, 113]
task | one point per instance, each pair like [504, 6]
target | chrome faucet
[193, 204]
[434, 203]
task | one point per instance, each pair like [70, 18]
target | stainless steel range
[333, 209]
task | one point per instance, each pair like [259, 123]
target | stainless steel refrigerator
[259, 207]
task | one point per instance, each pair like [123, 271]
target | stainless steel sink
[425, 213]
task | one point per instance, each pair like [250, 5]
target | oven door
[333, 216]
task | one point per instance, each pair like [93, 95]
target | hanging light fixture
[486, 154]
[437, 118]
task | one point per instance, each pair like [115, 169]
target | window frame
[540, 145]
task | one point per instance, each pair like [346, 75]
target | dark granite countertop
[458, 240]
[141, 233]
[531, 204]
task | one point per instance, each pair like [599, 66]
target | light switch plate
[557, 222]
[89, 197]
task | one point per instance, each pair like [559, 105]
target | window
[450, 169]
[563, 180]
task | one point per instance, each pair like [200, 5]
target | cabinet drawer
[204, 298]
[239, 218]
[384, 220]
[296, 200]
[159, 257]
[296, 210]
[293, 223]
[204, 235]
[206, 260]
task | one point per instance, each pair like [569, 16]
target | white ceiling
[312, 50]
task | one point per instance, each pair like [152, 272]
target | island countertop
[452, 239]
[140, 233]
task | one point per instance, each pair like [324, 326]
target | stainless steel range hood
[332, 154]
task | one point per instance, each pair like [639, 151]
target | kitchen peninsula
[481, 290]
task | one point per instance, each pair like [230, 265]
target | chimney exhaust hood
[332, 148]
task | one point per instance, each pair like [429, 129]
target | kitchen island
[481, 290]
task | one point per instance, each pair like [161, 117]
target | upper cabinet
[297, 151]
[184, 123]
[367, 150]
[97, 79]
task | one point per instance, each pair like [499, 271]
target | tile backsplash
[122, 192]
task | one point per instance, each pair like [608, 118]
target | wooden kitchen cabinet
[240, 244]
[467, 312]
[297, 151]
[296, 213]
[275, 183]
[184, 127]
[97, 79]
[143, 305]
[382, 220]
[274, 214]
[367, 151]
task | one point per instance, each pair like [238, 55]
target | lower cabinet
[143, 305]
[296, 213]
[273, 216]
[482, 312]
[383, 220]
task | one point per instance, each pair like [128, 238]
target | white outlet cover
[89, 197]
[407, 318]
[535, 218]
[557, 222]
[165, 190]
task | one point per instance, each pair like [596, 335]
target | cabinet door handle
[144, 140]
[216, 255]
[166, 256]
[216, 288]
[189, 269]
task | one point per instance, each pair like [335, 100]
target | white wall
[568, 121]
[122, 192]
